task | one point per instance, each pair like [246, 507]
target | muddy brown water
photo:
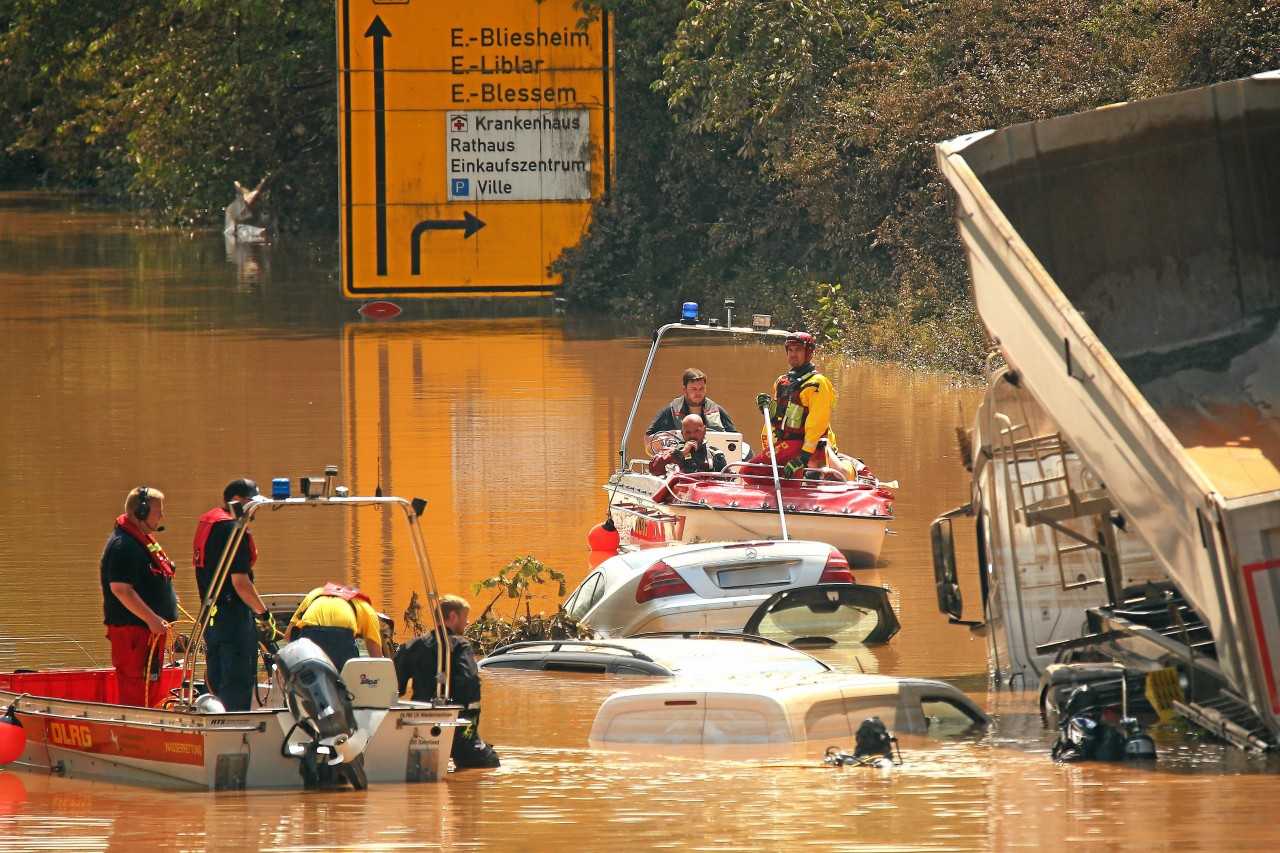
[133, 358]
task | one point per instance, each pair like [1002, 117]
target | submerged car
[662, 655]
[714, 587]
[780, 708]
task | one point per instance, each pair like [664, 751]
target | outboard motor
[321, 707]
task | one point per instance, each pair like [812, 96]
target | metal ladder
[1230, 719]
[1050, 498]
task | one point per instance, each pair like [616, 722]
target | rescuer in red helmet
[799, 412]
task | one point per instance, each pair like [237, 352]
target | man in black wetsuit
[418, 661]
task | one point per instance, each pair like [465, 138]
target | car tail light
[836, 570]
[660, 581]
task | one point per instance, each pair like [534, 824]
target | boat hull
[184, 750]
[649, 510]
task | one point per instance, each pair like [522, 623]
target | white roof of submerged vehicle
[780, 708]
[679, 655]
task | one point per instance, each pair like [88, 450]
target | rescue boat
[315, 727]
[744, 501]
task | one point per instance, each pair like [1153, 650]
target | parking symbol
[460, 187]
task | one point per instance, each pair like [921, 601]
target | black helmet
[241, 488]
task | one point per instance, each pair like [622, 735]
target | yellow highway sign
[473, 140]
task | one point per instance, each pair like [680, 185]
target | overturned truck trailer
[1126, 458]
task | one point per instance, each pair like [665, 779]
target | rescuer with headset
[138, 599]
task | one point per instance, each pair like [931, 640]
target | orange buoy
[13, 738]
[603, 537]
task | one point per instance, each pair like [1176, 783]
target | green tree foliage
[777, 152]
[167, 103]
[796, 152]
[517, 580]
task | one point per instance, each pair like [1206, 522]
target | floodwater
[140, 358]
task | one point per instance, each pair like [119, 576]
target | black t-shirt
[219, 533]
[418, 660]
[125, 560]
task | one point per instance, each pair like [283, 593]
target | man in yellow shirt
[333, 616]
[799, 411]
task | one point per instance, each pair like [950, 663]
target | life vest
[346, 593]
[789, 413]
[710, 414]
[160, 562]
[205, 526]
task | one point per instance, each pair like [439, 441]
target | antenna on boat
[773, 463]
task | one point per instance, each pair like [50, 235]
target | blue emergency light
[279, 488]
[689, 315]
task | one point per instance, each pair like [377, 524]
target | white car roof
[698, 656]
[770, 708]
[708, 656]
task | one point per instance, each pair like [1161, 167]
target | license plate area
[769, 574]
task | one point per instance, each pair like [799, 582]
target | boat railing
[247, 511]
[196, 719]
[761, 327]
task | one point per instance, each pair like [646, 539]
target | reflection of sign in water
[476, 431]
[473, 139]
[519, 155]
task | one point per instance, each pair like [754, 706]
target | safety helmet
[241, 488]
[802, 338]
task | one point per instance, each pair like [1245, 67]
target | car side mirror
[950, 600]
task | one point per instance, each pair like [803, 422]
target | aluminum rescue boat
[316, 727]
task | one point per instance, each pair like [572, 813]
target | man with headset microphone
[138, 599]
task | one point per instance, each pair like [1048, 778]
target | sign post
[473, 140]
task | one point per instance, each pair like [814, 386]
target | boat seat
[371, 682]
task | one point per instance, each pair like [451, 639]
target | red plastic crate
[84, 685]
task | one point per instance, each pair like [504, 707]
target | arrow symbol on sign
[378, 31]
[468, 225]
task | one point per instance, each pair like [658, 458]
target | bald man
[691, 456]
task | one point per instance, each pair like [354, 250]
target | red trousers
[786, 451]
[131, 647]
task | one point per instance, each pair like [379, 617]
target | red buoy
[380, 310]
[13, 738]
[603, 537]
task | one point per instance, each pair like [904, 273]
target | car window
[585, 597]
[826, 615]
[840, 718]
[946, 715]
[625, 669]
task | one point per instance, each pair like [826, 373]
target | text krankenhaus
[519, 155]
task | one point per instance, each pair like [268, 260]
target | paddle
[773, 462]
